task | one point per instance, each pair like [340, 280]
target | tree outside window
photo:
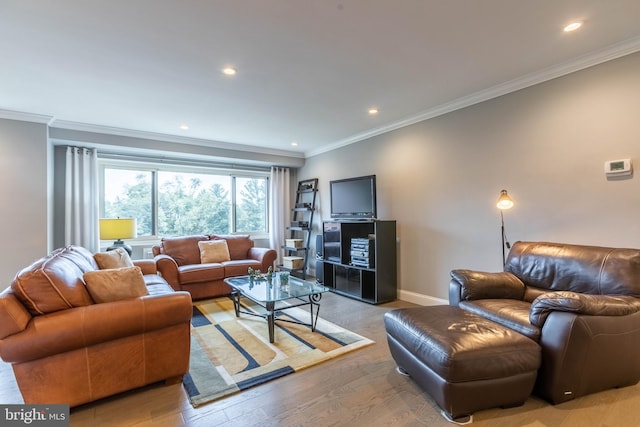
[191, 203]
[127, 194]
[251, 204]
[186, 202]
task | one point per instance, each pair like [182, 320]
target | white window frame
[154, 167]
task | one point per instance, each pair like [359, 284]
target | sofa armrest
[67, 330]
[572, 302]
[265, 256]
[468, 285]
[168, 269]
[583, 354]
[148, 266]
[14, 316]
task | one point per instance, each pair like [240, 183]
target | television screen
[354, 197]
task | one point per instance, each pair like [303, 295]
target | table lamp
[118, 229]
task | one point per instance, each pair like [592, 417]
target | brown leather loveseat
[66, 348]
[182, 263]
[578, 307]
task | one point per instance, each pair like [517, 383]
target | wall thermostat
[618, 167]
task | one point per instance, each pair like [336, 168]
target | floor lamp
[504, 202]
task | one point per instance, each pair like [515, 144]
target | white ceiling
[308, 70]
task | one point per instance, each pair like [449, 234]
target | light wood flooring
[357, 389]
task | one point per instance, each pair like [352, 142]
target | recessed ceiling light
[229, 71]
[294, 144]
[573, 26]
[373, 111]
[184, 127]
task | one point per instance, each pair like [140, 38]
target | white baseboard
[420, 299]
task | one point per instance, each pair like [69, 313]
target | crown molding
[591, 59]
[52, 122]
[25, 117]
[109, 130]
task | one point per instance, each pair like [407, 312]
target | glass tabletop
[263, 290]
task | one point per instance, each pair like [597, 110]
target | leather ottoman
[463, 361]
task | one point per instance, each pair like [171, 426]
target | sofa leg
[461, 420]
[173, 380]
[401, 371]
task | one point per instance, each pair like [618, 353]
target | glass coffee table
[273, 297]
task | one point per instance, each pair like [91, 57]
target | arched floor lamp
[504, 202]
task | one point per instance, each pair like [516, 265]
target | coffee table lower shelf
[274, 294]
[272, 308]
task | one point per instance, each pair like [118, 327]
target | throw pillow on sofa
[214, 251]
[115, 284]
[238, 244]
[118, 258]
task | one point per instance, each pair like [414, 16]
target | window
[175, 201]
[127, 194]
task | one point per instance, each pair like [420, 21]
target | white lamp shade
[504, 201]
[117, 228]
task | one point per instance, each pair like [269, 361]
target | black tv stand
[360, 259]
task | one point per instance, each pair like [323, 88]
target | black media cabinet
[360, 259]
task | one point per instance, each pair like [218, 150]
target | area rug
[230, 354]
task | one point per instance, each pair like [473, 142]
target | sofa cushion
[80, 256]
[576, 268]
[184, 250]
[117, 258]
[479, 285]
[213, 251]
[531, 293]
[240, 267]
[115, 284]
[513, 314]
[55, 282]
[198, 273]
[238, 245]
[158, 287]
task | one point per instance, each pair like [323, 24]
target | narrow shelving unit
[297, 245]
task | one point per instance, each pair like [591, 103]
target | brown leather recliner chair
[66, 349]
[581, 304]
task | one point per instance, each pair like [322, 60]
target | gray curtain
[279, 209]
[81, 213]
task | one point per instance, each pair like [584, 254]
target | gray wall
[546, 145]
[24, 195]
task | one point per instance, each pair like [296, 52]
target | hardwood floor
[357, 389]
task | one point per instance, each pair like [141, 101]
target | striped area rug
[230, 354]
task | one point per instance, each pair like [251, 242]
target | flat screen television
[353, 198]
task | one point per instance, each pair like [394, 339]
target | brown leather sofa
[580, 305]
[66, 349]
[179, 262]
